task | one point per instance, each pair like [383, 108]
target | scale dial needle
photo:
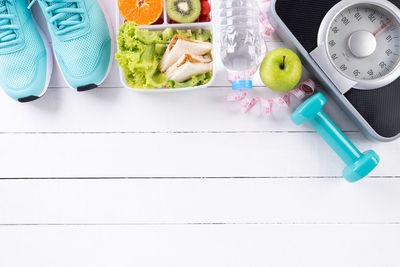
[381, 29]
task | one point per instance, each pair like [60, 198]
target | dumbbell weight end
[362, 167]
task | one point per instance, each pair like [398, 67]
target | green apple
[281, 70]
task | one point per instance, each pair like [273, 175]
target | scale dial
[364, 42]
[361, 39]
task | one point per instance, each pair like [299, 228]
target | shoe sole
[49, 71]
[91, 86]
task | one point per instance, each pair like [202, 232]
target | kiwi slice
[183, 11]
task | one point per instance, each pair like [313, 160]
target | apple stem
[283, 62]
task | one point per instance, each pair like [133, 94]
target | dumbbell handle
[358, 164]
[335, 138]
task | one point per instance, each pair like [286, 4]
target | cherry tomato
[205, 7]
[205, 18]
[159, 21]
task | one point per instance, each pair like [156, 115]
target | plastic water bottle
[240, 40]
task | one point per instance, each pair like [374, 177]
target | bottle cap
[242, 84]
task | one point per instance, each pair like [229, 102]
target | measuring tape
[248, 102]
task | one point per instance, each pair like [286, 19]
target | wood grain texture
[200, 201]
[121, 110]
[179, 155]
[112, 177]
[199, 246]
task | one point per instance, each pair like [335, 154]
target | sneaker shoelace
[8, 31]
[65, 15]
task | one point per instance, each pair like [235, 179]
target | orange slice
[142, 12]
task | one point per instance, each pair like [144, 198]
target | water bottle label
[242, 84]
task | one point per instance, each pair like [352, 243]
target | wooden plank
[188, 201]
[122, 110]
[199, 246]
[179, 155]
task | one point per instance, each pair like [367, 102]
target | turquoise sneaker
[81, 39]
[25, 56]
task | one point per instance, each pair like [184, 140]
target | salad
[164, 59]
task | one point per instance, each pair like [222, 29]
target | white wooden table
[116, 178]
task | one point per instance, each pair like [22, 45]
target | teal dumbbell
[359, 164]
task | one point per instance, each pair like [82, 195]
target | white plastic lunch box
[178, 26]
